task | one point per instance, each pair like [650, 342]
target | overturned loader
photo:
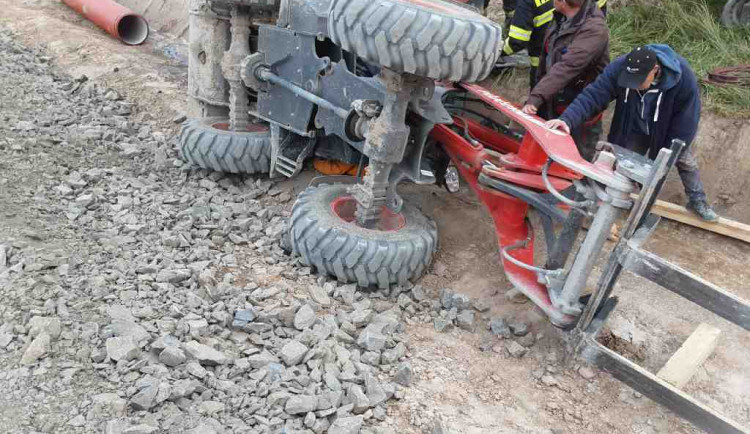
[386, 85]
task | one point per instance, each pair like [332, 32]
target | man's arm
[587, 46]
[595, 97]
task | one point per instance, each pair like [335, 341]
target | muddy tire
[429, 38]
[209, 144]
[322, 234]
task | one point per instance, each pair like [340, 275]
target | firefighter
[528, 23]
[526, 30]
[658, 100]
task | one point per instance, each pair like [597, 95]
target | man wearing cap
[658, 100]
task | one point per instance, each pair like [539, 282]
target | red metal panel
[508, 214]
[555, 144]
[489, 137]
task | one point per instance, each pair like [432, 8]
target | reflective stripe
[538, 3]
[534, 61]
[544, 18]
[601, 3]
[507, 49]
[519, 34]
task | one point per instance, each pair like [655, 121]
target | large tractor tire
[429, 38]
[323, 233]
[209, 144]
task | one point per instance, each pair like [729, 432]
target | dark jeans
[687, 167]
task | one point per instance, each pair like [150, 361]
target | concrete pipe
[117, 20]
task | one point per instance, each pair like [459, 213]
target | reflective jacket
[528, 25]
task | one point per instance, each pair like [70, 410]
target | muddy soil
[470, 390]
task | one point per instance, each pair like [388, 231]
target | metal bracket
[289, 152]
[628, 255]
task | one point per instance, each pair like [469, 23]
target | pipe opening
[133, 29]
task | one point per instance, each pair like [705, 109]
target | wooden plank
[723, 226]
[660, 391]
[694, 351]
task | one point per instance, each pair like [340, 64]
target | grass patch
[692, 28]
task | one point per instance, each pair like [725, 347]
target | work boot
[703, 209]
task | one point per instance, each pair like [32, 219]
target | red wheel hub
[345, 206]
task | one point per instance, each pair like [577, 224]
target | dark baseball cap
[638, 64]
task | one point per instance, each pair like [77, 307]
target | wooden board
[723, 226]
[694, 351]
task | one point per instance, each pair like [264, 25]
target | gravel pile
[143, 296]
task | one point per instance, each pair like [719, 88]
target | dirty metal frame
[308, 92]
[628, 255]
[508, 208]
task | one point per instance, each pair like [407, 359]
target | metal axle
[385, 144]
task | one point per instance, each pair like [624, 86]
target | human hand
[557, 124]
[529, 109]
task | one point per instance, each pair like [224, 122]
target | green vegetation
[693, 29]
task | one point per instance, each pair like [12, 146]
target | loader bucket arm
[508, 214]
[520, 166]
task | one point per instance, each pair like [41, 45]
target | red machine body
[519, 163]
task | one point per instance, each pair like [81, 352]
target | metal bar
[533, 198]
[660, 391]
[688, 285]
[549, 230]
[567, 299]
[664, 161]
[270, 77]
[560, 251]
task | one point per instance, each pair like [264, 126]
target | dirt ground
[470, 390]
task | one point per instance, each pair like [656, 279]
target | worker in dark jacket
[526, 31]
[575, 52]
[658, 100]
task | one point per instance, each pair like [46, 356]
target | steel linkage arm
[385, 144]
[515, 236]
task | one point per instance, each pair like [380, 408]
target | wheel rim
[344, 208]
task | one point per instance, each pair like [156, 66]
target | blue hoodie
[669, 109]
